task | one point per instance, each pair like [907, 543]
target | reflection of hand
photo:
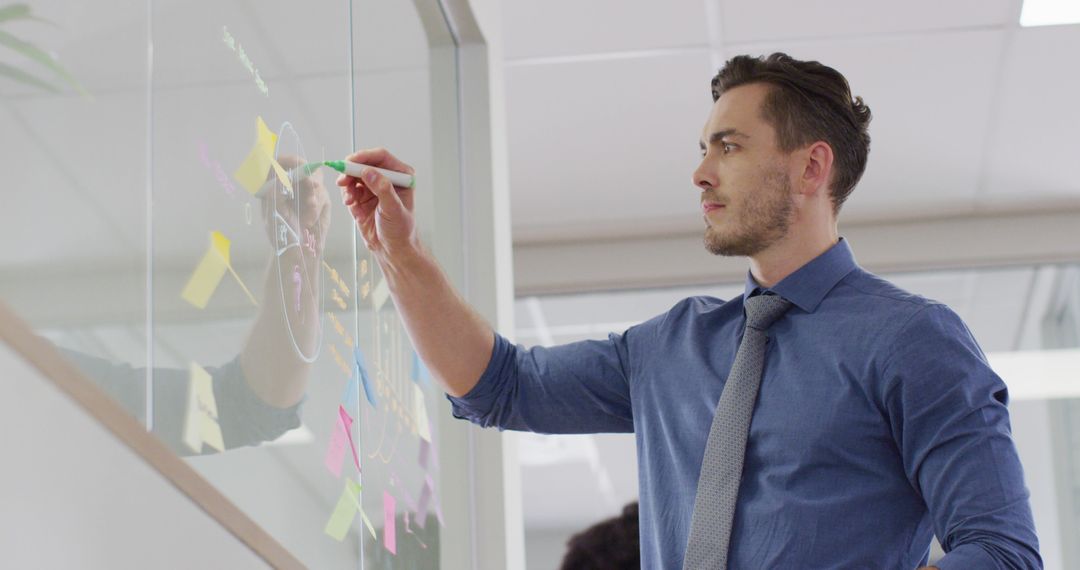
[383, 213]
[269, 359]
[312, 222]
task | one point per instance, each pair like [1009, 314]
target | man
[876, 421]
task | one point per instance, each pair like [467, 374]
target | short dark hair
[809, 102]
[609, 545]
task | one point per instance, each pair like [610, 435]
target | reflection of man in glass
[258, 393]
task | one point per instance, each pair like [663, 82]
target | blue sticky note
[420, 373]
[352, 390]
[362, 368]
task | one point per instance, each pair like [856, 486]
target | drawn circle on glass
[294, 281]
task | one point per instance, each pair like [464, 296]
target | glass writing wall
[179, 250]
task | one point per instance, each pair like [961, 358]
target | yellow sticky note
[251, 174]
[220, 245]
[281, 174]
[208, 274]
[380, 294]
[423, 426]
[367, 524]
[209, 429]
[354, 489]
[201, 420]
[344, 512]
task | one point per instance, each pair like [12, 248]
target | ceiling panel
[606, 141]
[931, 102]
[103, 44]
[770, 20]
[567, 27]
[1034, 148]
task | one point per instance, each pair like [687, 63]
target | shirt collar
[809, 284]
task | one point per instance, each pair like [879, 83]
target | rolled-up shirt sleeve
[948, 414]
[581, 387]
[245, 419]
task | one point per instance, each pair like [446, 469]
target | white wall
[75, 497]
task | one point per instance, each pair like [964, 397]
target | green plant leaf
[24, 77]
[20, 12]
[30, 51]
[14, 12]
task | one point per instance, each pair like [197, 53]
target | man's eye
[728, 147]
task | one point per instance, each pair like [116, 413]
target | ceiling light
[1049, 12]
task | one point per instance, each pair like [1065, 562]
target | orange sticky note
[251, 174]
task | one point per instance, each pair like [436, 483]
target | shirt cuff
[476, 405]
[964, 557]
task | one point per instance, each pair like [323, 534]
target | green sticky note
[344, 512]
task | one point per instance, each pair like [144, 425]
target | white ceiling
[606, 99]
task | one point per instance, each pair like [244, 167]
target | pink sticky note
[425, 453]
[410, 504]
[389, 522]
[425, 502]
[335, 454]
[347, 420]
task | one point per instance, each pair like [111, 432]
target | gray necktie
[721, 468]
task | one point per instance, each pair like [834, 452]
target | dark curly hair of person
[810, 102]
[612, 544]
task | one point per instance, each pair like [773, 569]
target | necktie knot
[763, 310]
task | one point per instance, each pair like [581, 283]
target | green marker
[399, 179]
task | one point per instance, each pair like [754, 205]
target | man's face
[746, 194]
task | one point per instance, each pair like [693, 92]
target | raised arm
[269, 360]
[453, 340]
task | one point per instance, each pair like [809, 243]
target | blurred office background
[971, 198]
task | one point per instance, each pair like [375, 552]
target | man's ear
[817, 168]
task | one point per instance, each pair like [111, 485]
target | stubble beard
[765, 220]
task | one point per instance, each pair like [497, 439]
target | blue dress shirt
[878, 424]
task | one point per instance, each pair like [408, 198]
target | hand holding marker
[348, 168]
[399, 179]
[383, 211]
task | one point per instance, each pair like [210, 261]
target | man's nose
[703, 178]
